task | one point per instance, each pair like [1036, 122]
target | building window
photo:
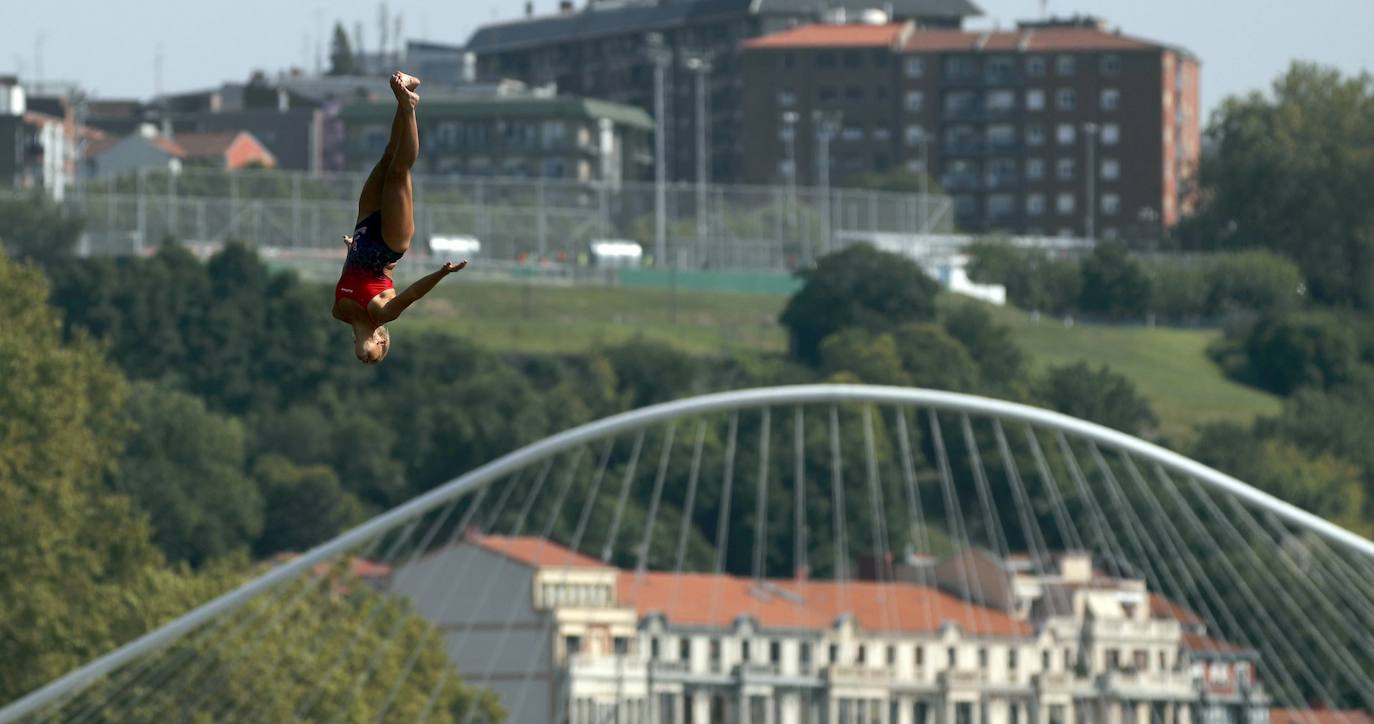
[915, 100]
[999, 205]
[853, 59]
[774, 652]
[963, 713]
[960, 67]
[1035, 135]
[1035, 66]
[1111, 169]
[1064, 65]
[1064, 134]
[1035, 204]
[834, 652]
[859, 653]
[1001, 136]
[1057, 713]
[1000, 100]
[852, 133]
[1035, 169]
[789, 60]
[621, 645]
[744, 651]
[715, 654]
[1064, 203]
[853, 94]
[891, 655]
[1064, 99]
[961, 101]
[1111, 64]
[653, 648]
[1140, 658]
[684, 649]
[1063, 169]
[914, 67]
[572, 645]
[1044, 661]
[881, 133]
[1113, 659]
[1011, 659]
[825, 59]
[998, 70]
[805, 656]
[1111, 99]
[983, 658]
[1035, 99]
[952, 656]
[787, 98]
[915, 135]
[1111, 134]
[920, 656]
[826, 94]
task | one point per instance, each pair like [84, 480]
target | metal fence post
[142, 202]
[541, 221]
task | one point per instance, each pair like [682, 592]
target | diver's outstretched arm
[422, 286]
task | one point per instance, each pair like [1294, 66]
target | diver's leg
[398, 222]
[370, 198]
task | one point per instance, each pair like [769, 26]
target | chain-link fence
[723, 227]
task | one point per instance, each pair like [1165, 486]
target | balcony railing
[964, 678]
[857, 674]
[1148, 684]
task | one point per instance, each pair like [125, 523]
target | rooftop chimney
[565, 7]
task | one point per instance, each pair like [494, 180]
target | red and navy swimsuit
[364, 271]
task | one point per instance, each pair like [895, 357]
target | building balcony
[997, 182]
[839, 674]
[583, 666]
[1148, 685]
[963, 113]
[962, 148]
[963, 679]
[962, 79]
[1056, 681]
[960, 182]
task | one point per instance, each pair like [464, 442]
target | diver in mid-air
[365, 297]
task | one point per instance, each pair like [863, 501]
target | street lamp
[700, 65]
[789, 122]
[827, 126]
[661, 57]
[1089, 214]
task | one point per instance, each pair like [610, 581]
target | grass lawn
[1170, 366]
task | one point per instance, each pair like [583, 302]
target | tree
[857, 287]
[1100, 395]
[1001, 363]
[306, 506]
[39, 229]
[1285, 352]
[75, 559]
[184, 467]
[1283, 175]
[341, 59]
[648, 372]
[1034, 281]
[1257, 281]
[1115, 286]
[934, 359]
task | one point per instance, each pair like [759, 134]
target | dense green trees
[1100, 395]
[857, 287]
[1285, 172]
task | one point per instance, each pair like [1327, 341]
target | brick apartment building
[1019, 127]
[600, 50]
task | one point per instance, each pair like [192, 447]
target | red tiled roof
[203, 145]
[822, 35]
[534, 551]
[171, 147]
[1161, 607]
[1319, 716]
[1196, 642]
[705, 599]
[1030, 40]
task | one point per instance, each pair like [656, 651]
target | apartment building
[562, 637]
[512, 133]
[601, 49]
[1062, 127]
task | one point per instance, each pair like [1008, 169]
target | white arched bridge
[827, 553]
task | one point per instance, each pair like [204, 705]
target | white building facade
[562, 637]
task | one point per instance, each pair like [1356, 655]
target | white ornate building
[564, 637]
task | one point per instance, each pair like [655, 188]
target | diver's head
[373, 348]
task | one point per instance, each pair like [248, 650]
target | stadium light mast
[1090, 131]
[661, 57]
[827, 125]
[700, 65]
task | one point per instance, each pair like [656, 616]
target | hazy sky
[111, 46]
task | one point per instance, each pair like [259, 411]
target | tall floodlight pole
[660, 56]
[1090, 132]
[789, 124]
[925, 182]
[700, 65]
[827, 126]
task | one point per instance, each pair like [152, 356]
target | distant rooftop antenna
[1044, 9]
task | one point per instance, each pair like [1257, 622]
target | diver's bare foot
[402, 88]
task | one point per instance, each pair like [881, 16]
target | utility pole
[925, 182]
[789, 122]
[700, 64]
[1090, 133]
[827, 126]
[661, 57]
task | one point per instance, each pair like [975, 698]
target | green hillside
[1170, 366]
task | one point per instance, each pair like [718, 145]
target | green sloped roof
[521, 108]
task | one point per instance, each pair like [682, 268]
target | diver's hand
[449, 267]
